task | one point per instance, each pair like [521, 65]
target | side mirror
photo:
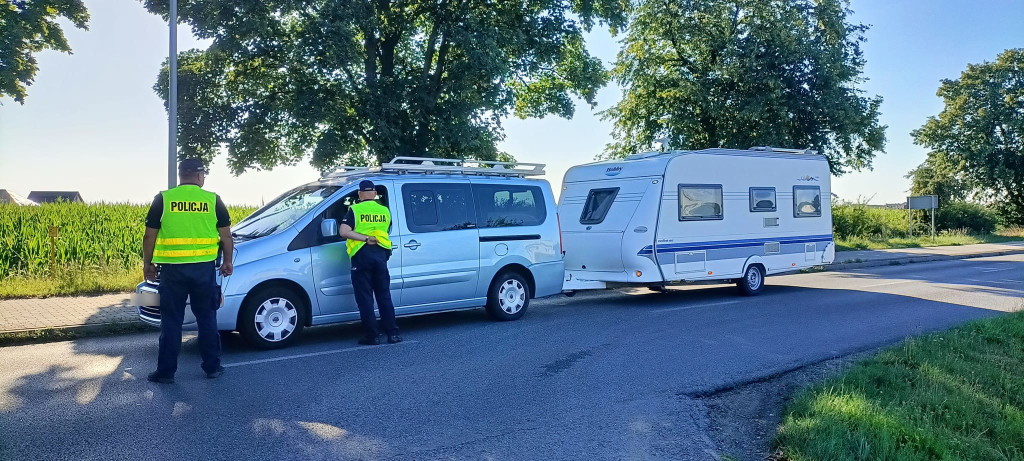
[329, 228]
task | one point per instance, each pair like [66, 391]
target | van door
[440, 243]
[332, 269]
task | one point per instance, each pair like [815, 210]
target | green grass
[72, 281]
[958, 394]
[948, 239]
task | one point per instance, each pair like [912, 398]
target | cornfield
[88, 235]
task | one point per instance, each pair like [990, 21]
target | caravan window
[806, 201]
[598, 203]
[508, 205]
[762, 199]
[698, 202]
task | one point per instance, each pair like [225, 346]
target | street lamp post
[172, 99]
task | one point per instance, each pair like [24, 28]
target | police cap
[366, 185]
[191, 165]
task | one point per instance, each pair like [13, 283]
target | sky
[92, 122]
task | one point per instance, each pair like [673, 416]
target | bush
[857, 220]
[972, 217]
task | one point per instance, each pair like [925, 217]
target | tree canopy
[742, 73]
[363, 81]
[28, 27]
[979, 135]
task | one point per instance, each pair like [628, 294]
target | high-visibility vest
[188, 228]
[372, 219]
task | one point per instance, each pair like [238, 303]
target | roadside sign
[922, 202]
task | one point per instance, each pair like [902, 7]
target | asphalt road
[605, 375]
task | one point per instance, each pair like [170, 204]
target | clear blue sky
[92, 122]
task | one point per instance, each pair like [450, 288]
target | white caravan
[662, 218]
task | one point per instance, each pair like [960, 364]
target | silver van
[465, 234]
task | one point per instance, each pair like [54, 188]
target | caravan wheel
[752, 281]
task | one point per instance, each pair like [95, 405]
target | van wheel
[752, 281]
[272, 318]
[508, 297]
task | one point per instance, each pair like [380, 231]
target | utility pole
[172, 100]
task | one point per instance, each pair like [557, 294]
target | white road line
[311, 354]
[680, 308]
[898, 282]
[999, 269]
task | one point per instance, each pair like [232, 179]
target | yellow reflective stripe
[187, 241]
[184, 253]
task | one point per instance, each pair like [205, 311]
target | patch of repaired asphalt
[743, 420]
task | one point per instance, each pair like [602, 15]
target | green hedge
[855, 220]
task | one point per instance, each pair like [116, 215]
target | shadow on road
[89, 398]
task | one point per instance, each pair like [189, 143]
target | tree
[938, 176]
[28, 27]
[362, 81]
[980, 131]
[742, 73]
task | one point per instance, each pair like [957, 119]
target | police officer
[183, 228]
[366, 227]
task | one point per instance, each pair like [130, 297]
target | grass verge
[68, 281]
[958, 394]
[948, 239]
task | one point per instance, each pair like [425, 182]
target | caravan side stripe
[674, 247]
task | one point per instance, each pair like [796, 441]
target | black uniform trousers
[197, 284]
[371, 279]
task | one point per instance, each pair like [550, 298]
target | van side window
[806, 201]
[509, 205]
[699, 202]
[762, 199]
[598, 203]
[438, 207]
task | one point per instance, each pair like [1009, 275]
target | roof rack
[787, 151]
[462, 166]
[346, 170]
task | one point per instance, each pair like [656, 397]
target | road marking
[898, 282]
[310, 354]
[999, 269]
[680, 308]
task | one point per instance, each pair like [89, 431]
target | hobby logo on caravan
[807, 178]
[613, 171]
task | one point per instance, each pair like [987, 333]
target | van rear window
[509, 205]
[598, 203]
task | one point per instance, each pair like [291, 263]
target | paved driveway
[606, 375]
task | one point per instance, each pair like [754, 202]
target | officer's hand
[226, 269]
[371, 240]
[149, 271]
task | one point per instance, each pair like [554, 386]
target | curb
[900, 260]
[70, 332]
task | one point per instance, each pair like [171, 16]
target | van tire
[752, 281]
[280, 308]
[508, 297]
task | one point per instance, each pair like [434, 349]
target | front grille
[150, 311]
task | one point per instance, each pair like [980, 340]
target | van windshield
[282, 211]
